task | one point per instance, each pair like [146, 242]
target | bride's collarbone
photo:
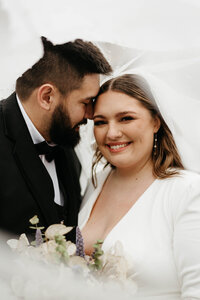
[125, 191]
[111, 208]
[121, 193]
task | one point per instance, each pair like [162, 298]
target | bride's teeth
[118, 146]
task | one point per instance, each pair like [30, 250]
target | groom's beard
[61, 132]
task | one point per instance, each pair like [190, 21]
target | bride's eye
[127, 118]
[99, 122]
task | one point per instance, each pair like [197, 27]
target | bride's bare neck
[142, 172]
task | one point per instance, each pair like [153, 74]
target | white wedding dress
[160, 235]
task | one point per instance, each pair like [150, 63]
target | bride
[143, 198]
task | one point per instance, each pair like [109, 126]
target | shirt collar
[35, 135]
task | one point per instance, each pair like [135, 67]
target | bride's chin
[115, 161]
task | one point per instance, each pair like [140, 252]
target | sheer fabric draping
[157, 39]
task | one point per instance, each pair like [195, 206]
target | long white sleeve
[187, 240]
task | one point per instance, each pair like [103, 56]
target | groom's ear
[47, 96]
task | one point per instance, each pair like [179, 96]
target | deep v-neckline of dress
[94, 196]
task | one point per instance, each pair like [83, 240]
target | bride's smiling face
[124, 130]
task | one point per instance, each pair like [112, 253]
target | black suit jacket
[26, 189]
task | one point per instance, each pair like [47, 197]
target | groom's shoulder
[8, 98]
[7, 102]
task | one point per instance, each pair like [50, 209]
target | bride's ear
[157, 124]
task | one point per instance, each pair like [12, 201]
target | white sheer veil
[157, 39]
[173, 79]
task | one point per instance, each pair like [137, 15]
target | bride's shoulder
[181, 189]
[190, 176]
[184, 179]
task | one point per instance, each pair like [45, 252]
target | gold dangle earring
[155, 144]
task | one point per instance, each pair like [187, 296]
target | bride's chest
[103, 218]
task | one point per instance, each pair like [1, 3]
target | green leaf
[98, 252]
[61, 249]
[100, 241]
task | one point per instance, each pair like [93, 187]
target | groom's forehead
[88, 90]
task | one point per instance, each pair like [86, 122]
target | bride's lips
[117, 147]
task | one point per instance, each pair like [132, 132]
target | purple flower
[38, 237]
[79, 243]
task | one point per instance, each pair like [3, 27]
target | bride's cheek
[98, 134]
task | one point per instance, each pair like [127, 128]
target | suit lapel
[69, 183]
[28, 161]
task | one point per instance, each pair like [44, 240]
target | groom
[39, 127]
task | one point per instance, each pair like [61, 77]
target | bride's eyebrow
[98, 116]
[126, 112]
[117, 115]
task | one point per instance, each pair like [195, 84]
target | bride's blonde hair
[166, 159]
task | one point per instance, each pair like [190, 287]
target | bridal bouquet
[62, 262]
[52, 247]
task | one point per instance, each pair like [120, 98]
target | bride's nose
[114, 131]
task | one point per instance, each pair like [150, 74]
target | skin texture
[120, 120]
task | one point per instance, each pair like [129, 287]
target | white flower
[71, 248]
[48, 247]
[115, 265]
[12, 243]
[79, 265]
[48, 253]
[19, 245]
[56, 229]
[34, 220]
[77, 261]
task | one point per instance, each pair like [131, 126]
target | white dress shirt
[50, 166]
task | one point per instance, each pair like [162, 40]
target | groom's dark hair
[64, 66]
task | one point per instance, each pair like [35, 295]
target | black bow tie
[49, 151]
